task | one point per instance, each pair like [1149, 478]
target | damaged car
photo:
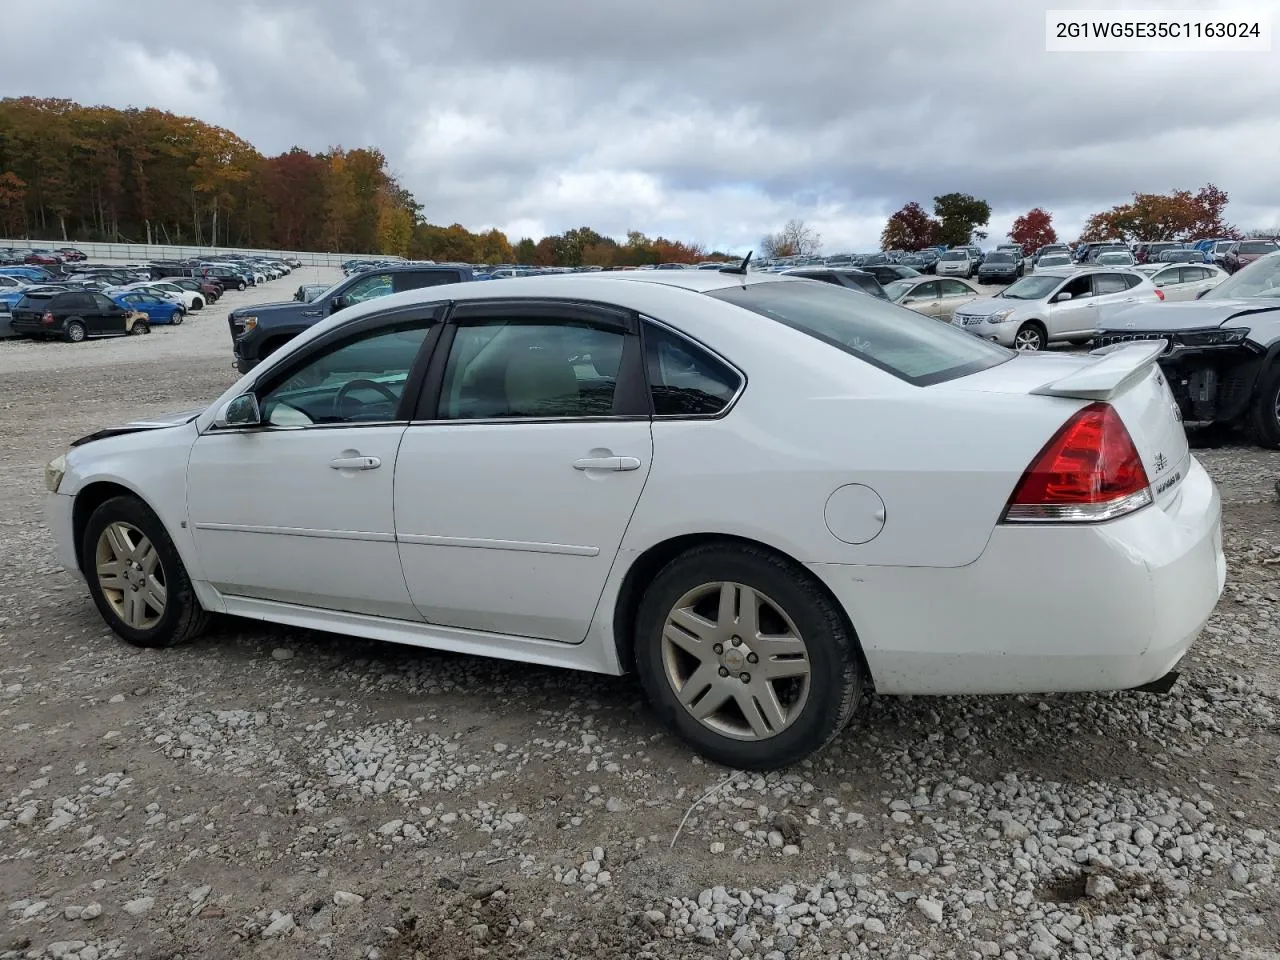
[1222, 354]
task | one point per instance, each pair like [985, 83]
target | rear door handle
[355, 463]
[607, 463]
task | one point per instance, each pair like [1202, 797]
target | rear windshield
[913, 347]
[1258, 246]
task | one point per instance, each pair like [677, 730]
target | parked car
[12, 283]
[957, 263]
[1051, 250]
[228, 277]
[1115, 258]
[854, 278]
[1055, 306]
[29, 272]
[889, 272]
[260, 330]
[1181, 255]
[1000, 266]
[42, 257]
[1150, 250]
[157, 309]
[755, 603]
[936, 298]
[71, 254]
[73, 315]
[1184, 281]
[1222, 358]
[1243, 252]
[209, 290]
[309, 291]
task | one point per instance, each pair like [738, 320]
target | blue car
[157, 309]
[28, 272]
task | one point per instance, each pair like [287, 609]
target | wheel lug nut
[744, 677]
[752, 658]
[718, 648]
[736, 641]
[724, 671]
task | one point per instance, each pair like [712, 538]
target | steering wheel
[340, 401]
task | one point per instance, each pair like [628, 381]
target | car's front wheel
[744, 656]
[136, 577]
[1030, 337]
[240, 285]
[178, 316]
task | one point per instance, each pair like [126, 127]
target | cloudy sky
[707, 121]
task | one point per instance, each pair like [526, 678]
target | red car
[1244, 252]
[71, 254]
[43, 258]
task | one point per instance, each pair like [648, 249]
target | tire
[240, 285]
[167, 612]
[1033, 335]
[1264, 419]
[75, 331]
[139, 328]
[197, 304]
[813, 707]
[178, 317]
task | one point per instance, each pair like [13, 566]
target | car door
[952, 294]
[516, 483]
[923, 298]
[299, 510]
[1194, 281]
[1075, 315]
[1170, 282]
[1112, 292]
[103, 316]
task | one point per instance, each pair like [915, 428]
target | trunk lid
[1128, 378]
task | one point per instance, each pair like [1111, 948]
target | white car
[1053, 261]
[1184, 281]
[956, 263]
[764, 495]
[189, 299]
[1052, 306]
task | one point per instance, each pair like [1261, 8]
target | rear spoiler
[1116, 368]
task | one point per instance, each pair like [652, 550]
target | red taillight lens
[1159, 294]
[48, 319]
[1089, 471]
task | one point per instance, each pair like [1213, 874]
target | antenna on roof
[740, 268]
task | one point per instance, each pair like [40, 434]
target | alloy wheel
[130, 574]
[1027, 340]
[735, 661]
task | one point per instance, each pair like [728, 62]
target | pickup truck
[258, 331]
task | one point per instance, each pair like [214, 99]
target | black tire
[75, 331]
[139, 328]
[1025, 332]
[197, 303]
[240, 285]
[1264, 421]
[836, 675]
[183, 618]
[178, 317]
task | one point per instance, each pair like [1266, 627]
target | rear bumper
[1046, 609]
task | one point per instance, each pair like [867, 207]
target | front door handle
[607, 463]
[355, 463]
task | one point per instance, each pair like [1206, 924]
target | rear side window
[416, 280]
[1109, 283]
[909, 345]
[866, 284]
[685, 380]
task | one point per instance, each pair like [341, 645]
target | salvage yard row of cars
[80, 302]
[659, 520]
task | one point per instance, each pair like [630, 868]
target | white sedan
[1184, 281]
[190, 299]
[764, 495]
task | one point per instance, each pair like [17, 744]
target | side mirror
[340, 302]
[240, 412]
[1062, 297]
[1202, 293]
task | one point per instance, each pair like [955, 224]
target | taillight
[47, 319]
[1089, 471]
[1159, 294]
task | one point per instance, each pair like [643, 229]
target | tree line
[74, 173]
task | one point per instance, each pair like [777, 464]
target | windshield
[999, 258]
[1115, 259]
[1260, 280]
[909, 345]
[1031, 288]
[1258, 246]
[898, 289]
[955, 255]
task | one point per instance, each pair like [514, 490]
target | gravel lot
[289, 794]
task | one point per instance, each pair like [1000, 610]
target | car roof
[811, 270]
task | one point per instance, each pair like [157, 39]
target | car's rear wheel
[240, 285]
[197, 304]
[1265, 416]
[1030, 337]
[744, 656]
[139, 327]
[136, 577]
[75, 331]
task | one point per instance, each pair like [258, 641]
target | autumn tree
[1033, 230]
[911, 228]
[1180, 215]
[495, 248]
[795, 239]
[961, 218]
[12, 194]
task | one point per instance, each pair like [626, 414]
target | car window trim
[433, 314]
[532, 310]
[698, 345]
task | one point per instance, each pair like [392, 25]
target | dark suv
[851, 277]
[258, 331]
[71, 314]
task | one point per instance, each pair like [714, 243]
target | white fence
[142, 252]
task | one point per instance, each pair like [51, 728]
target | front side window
[1079, 287]
[369, 288]
[357, 381]
[685, 380]
[923, 293]
[504, 368]
[901, 342]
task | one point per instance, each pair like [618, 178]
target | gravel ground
[290, 794]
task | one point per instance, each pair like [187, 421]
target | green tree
[961, 218]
